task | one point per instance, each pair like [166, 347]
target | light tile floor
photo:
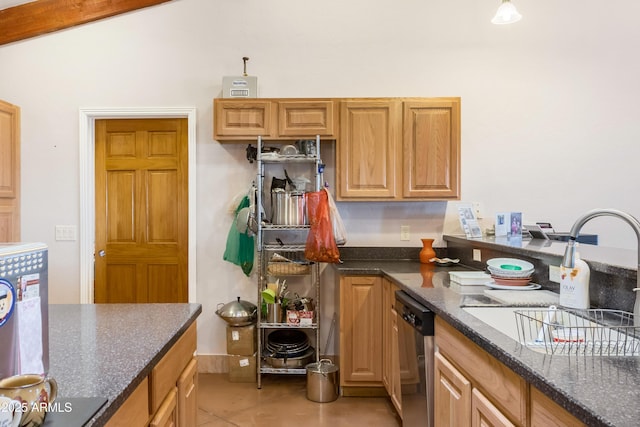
[282, 402]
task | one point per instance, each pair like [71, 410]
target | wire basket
[288, 264]
[595, 332]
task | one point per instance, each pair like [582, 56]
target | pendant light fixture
[506, 14]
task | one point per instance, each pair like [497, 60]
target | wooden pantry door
[9, 172]
[141, 211]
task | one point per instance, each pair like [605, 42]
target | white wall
[549, 108]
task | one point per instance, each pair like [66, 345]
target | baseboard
[363, 391]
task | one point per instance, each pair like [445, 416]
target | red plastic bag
[321, 245]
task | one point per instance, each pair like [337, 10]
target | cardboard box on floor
[242, 369]
[241, 340]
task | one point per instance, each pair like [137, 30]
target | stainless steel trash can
[322, 381]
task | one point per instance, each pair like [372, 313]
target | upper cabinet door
[243, 120]
[237, 119]
[307, 118]
[368, 152]
[431, 149]
[9, 172]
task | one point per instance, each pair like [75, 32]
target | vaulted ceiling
[22, 19]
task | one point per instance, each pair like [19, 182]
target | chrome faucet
[569, 258]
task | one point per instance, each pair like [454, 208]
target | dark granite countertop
[106, 350]
[600, 391]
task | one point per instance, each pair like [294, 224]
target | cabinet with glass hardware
[288, 285]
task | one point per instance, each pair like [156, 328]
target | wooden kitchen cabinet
[243, 120]
[387, 149]
[391, 371]
[307, 118]
[187, 396]
[360, 333]
[9, 172]
[134, 412]
[460, 361]
[368, 152]
[369, 340]
[452, 400]
[167, 414]
[484, 413]
[472, 388]
[398, 149]
[546, 413]
[431, 149]
[167, 397]
[395, 385]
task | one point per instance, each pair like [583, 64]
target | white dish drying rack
[594, 332]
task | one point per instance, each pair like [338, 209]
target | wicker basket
[287, 268]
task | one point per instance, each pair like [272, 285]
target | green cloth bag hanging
[240, 246]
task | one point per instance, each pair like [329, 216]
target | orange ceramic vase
[427, 251]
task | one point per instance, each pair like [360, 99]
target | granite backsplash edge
[384, 253]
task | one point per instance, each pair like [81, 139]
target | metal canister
[322, 381]
[297, 211]
[279, 206]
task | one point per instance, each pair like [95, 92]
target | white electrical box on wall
[243, 86]
[239, 87]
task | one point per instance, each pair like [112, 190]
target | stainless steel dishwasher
[416, 347]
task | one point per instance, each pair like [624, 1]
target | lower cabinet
[391, 364]
[473, 368]
[370, 363]
[134, 412]
[167, 415]
[484, 413]
[188, 395]
[360, 326]
[472, 388]
[168, 396]
[547, 413]
[452, 395]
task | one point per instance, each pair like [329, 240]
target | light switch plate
[554, 273]
[477, 255]
[66, 233]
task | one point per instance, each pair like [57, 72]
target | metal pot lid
[237, 308]
[324, 366]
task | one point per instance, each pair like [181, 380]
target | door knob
[102, 253]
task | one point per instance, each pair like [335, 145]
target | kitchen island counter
[600, 391]
[107, 350]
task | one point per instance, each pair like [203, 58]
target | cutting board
[523, 297]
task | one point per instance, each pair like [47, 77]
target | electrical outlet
[404, 232]
[554, 273]
[478, 209]
[477, 255]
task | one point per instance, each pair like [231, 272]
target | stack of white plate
[510, 271]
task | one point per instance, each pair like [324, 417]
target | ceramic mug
[34, 393]
[10, 412]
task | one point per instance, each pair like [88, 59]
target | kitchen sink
[501, 318]
[560, 331]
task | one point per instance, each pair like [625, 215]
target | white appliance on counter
[24, 309]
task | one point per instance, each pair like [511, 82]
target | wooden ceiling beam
[45, 16]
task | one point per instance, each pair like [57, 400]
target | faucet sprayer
[568, 260]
